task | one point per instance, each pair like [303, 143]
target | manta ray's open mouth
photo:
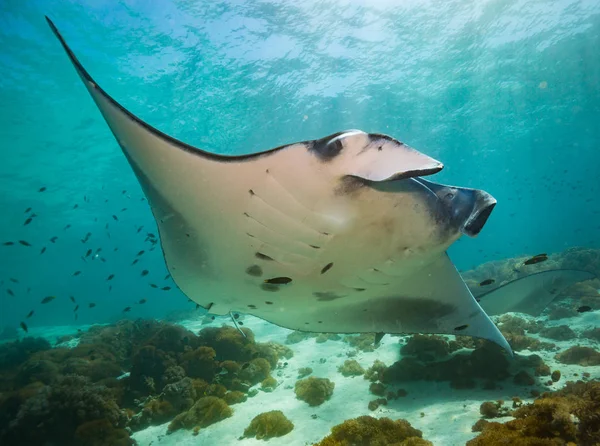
[482, 209]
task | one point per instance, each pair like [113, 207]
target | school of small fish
[89, 255]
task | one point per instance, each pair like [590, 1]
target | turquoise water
[505, 94]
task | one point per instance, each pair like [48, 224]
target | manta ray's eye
[449, 196]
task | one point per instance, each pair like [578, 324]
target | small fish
[140, 253]
[115, 218]
[166, 288]
[77, 308]
[535, 259]
[126, 309]
[72, 299]
[153, 285]
[144, 273]
[123, 210]
[53, 239]
[134, 262]
[29, 220]
[43, 250]
[28, 210]
[66, 227]
[279, 280]
[24, 243]
[24, 327]
[584, 309]
[139, 229]
[30, 314]
[486, 282]
[13, 280]
[167, 277]
[111, 277]
[75, 206]
[142, 301]
[91, 305]
[45, 300]
[88, 253]
[8, 243]
[42, 189]
[10, 292]
[76, 273]
[102, 259]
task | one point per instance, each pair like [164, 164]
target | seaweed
[269, 425]
[314, 391]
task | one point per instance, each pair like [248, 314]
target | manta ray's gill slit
[283, 214]
[462, 327]
[281, 236]
[260, 255]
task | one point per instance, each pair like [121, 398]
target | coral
[15, 353]
[369, 431]
[375, 372]
[569, 416]
[268, 384]
[479, 425]
[488, 362]
[314, 391]
[374, 404]
[101, 433]
[426, 347]
[493, 409]
[377, 389]
[229, 343]
[181, 394]
[558, 333]
[364, 341]
[351, 367]
[206, 411]
[256, 371]
[304, 371]
[593, 333]
[523, 378]
[37, 370]
[324, 337]
[269, 425]
[560, 312]
[174, 374]
[585, 356]
[235, 397]
[149, 366]
[555, 376]
[57, 410]
[298, 336]
[156, 412]
[200, 363]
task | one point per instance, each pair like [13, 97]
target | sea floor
[444, 414]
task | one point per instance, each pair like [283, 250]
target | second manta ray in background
[339, 234]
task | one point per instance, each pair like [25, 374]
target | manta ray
[340, 234]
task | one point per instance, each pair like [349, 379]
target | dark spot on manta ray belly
[279, 280]
[254, 270]
[253, 307]
[326, 296]
[462, 327]
[268, 302]
[261, 256]
[326, 268]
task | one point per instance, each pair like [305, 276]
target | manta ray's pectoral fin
[530, 294]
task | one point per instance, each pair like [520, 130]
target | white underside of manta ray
[340, 234]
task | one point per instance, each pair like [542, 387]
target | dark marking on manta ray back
[327, 148]
[251, 192]
[326, 268]
[326, 296]
[268, 302]
[261, 256]
[254, 270]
